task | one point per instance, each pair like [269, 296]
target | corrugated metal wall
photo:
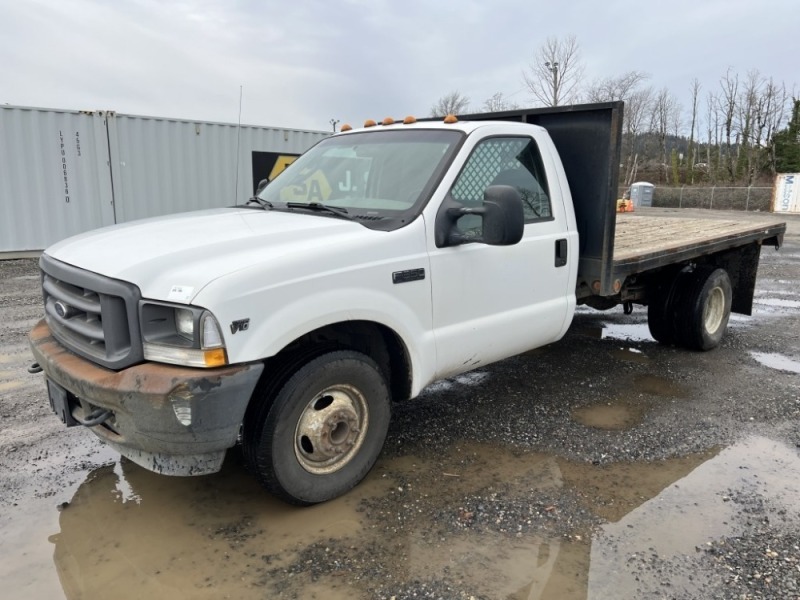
[65, 172]
[52, 183]
[163, 166]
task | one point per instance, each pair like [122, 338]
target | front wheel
[323, 429]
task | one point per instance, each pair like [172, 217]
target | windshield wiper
[265, 204]
[316, 206]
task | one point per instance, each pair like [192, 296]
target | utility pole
[553, 68]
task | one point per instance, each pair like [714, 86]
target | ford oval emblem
[62, 310]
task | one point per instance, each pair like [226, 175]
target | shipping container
[63, 172]
[786, 194]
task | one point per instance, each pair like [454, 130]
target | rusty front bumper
[172, 420]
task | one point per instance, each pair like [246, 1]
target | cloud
[301, 64]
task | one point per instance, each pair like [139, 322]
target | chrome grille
[76, 313]
[92, 315]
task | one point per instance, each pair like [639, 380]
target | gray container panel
[65, 172]
[164, 166]
[54, 179]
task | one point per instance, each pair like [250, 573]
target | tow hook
[96, 417]
[627, 307]
[35, 368]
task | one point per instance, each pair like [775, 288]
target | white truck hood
[174, 257]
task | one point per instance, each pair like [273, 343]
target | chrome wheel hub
[331, 429]
[714, 310]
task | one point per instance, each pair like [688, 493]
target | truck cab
[381, 260]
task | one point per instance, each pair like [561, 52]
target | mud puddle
[624, 332]
[609, 416]
[633, 355]
[481, 521]
[755, 480]
[776, 361]
[629, 409]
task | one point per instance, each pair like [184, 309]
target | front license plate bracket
[60, 403]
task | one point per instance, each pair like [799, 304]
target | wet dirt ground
[603, 466]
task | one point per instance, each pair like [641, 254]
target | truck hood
[174, 257]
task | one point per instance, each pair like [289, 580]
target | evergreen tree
[787, 144]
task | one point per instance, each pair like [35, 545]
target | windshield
[381, 178]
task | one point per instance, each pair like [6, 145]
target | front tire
[323, 430]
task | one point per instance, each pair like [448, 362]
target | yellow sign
[314, 189]
[281, 163]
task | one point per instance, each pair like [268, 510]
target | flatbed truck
[383, 259]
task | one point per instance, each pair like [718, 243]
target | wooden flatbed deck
[644, 242]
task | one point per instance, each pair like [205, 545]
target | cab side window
[513, 161]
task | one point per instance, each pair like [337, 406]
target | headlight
[184, 322]
[181, 335]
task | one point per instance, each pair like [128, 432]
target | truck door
[491, 302]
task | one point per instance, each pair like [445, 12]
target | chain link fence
[721, 198]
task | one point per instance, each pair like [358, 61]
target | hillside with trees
[741, 132]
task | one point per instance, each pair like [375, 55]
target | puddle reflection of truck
[381, 260]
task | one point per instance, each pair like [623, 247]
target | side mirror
[502, 215]
[261, 185]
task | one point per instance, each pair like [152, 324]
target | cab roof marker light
[388, 121]
[369, 123]
[450, 119]
[409, 120]
[346, 127]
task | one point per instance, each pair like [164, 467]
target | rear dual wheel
[693, 309]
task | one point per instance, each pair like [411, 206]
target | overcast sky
[302, 63]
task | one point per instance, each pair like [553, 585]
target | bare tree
[498, 103]
[554, 77]
[695, 89]
[775, 110]
[661, 118]
[637, 107]
[614, 88]
[625, 87]
[727, 108]
[450, 104]
[676, 124]
[761, 108]
[746, 112]
[713, 137]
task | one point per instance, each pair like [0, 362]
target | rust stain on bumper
[146, 399]
[152, 381]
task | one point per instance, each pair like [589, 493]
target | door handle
[561, 252]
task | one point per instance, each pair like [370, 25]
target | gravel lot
[603, 466]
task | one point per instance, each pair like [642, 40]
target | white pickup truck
[382, 260]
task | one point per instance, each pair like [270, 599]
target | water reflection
[481, 521]
[776, 361]
[651, 542]
[129, 533]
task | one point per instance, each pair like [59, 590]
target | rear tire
[322, 430]
[659, 315]
[702, 307]
[661, 308]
